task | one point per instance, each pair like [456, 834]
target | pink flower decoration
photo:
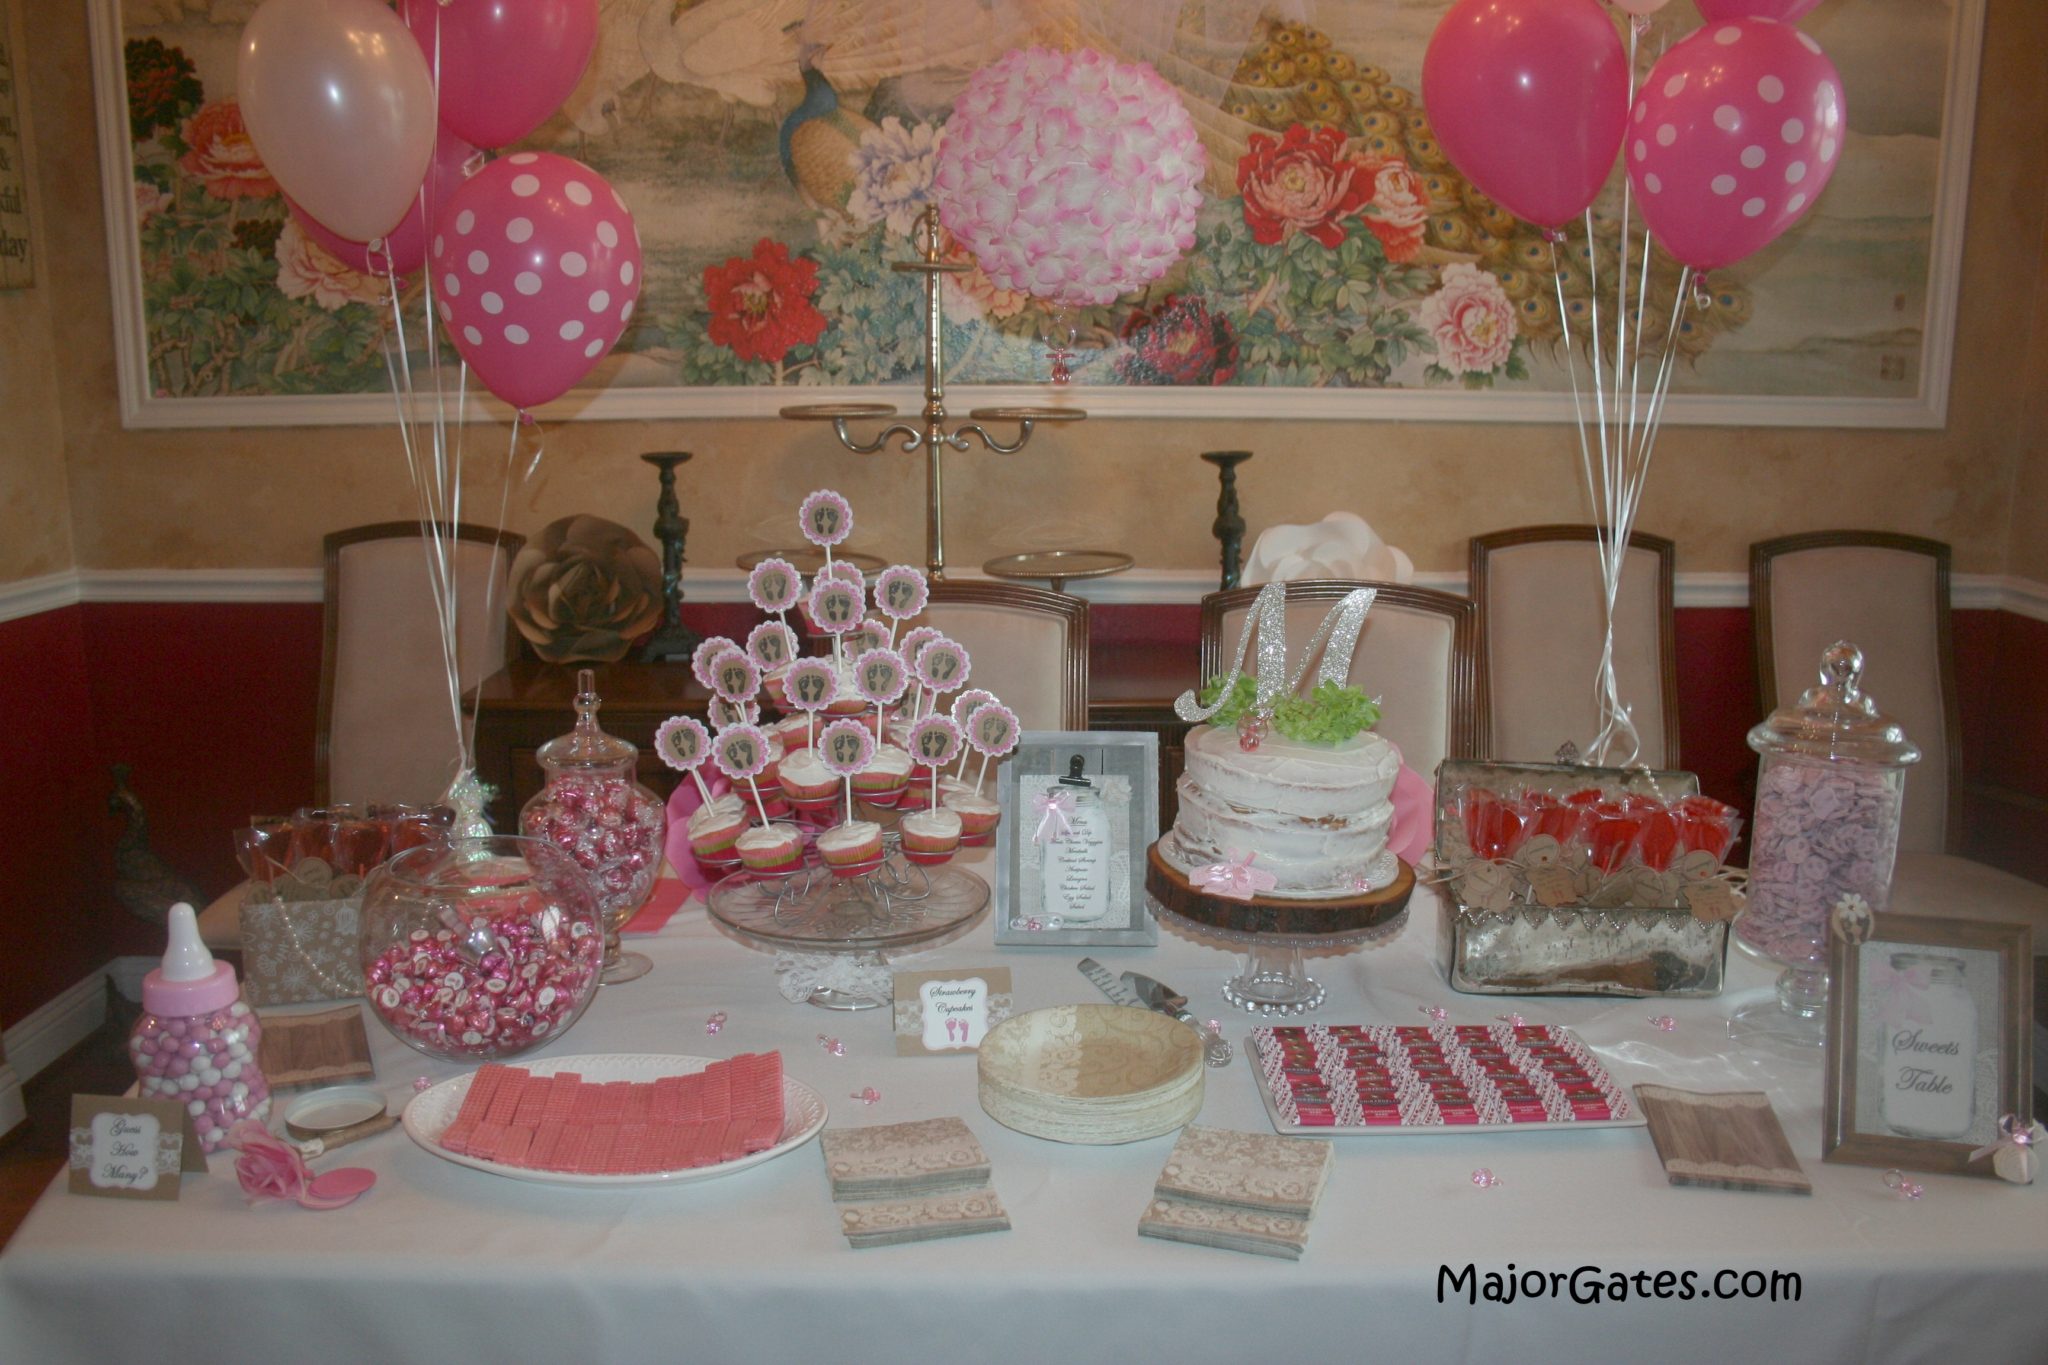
[1069, 175]
[269, 1168]
[1238, 880]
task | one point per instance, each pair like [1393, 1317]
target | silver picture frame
[1116, 820]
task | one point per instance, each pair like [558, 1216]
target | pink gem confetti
[1665, 1023]
[1436, 1012]
[832, 1045]
[868, 1095]
[1895, 1179]
[421, 1084]
[715, 1022]
[1484, 1178]
[1512, 1020]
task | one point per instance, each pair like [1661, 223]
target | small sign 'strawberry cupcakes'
[808, 783]
[978, 815]
[851, 848]
[772, 848]
[714, 830]
[881, 783]
[930, 836]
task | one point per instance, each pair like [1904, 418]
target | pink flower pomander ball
[1070, 176]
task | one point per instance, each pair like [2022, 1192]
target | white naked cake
[1316, 815]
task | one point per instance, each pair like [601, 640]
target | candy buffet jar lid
[1836, 720]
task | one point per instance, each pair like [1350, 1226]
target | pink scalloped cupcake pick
[901, 592]
[846, 747]
[742, 754]
[933, 743]
[702, 655]
[826, 519]
[993, 733]
[771, 645]
[774, 585]
[811, 686]
[734, 676]
[684, 744]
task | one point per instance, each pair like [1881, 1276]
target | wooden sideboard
[530, 702]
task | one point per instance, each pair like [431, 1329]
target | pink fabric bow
[1239, 881]
[2018, 1137]
[1414, 825]
[1052, 810]
[270, 1168]
[1903, 994]
[682, 804]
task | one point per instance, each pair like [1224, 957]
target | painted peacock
[819, 139]
[1291, 73]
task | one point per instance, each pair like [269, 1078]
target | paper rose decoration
[1341, 545]
[582, 589]
[1071, 176]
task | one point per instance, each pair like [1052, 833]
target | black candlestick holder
[672, 639]
[1229, 524]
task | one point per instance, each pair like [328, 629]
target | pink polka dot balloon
[536, 271]
[1733, 135]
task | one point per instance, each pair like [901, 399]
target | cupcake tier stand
[1274, 932]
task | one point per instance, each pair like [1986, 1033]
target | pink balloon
[1778, 11]
[1734, 134]
[1528, 99]
[407, 242]
[505, 64]
[340, 108]
[537, 269]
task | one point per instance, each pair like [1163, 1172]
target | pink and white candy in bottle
[197, 1039]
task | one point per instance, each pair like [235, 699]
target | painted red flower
[761, 304]
[1399, 210]
[1179, 342]
[1302, 181]
[222, 156]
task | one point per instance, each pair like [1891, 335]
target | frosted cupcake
[930, 836]
[772, 848]
[853, 847]
[807, 782]
[978, 814]
[715, 829]
[881, 783]
[792, 733]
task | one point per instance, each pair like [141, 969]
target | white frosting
[854, 834]
[889, 761]
[932, 824]
[968, 800]
[717, 815]
[769, 838]
[805, 771]
[1315, 815]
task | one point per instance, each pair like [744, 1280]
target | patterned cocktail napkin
[910, 1182]
[1250, 1192]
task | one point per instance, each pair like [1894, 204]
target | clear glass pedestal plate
[895, 905]
[1274, 977]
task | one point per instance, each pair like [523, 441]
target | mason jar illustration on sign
[1930, 1045]
[1082, 871]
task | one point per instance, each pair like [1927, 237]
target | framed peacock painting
[776, 153]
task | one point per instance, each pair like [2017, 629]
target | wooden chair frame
[332, 544]
[1763, 554]
[1072, 610]
[1467, 699]
[1482, 548]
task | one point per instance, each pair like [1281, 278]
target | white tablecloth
[439, 1262]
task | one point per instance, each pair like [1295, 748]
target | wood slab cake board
[1275, 914]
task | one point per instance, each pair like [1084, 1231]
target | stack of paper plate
[1092, 1073]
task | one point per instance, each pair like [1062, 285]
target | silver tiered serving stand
[930, 433]
[897, 904]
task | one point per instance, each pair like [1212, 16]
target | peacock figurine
[144, 883]
[1291, 73]
[819, 139]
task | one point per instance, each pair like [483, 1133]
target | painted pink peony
[1398, 211]
[1471, 319]
[222, 156]
[1303, 181]
[305, 269]
[1071, 176]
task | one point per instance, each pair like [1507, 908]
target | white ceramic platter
[431, 1111]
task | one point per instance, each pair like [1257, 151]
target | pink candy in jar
[197, 1039]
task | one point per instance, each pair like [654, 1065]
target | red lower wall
[213, 705]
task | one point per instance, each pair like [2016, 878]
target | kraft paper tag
[1713, 901]
[125, 1148]
[1553, 885]
[950, 1009]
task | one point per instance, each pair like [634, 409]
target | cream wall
[263, 498]
[35, 505]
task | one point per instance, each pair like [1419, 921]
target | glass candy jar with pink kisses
[1830, 798]
[594, 809]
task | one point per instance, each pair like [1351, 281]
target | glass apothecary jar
[595, 809]
[1830, 794]
[481, 949]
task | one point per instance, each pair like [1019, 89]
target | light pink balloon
[407, 243]
[1778, 11]
[1528, 99]
[339, 105]
[505, 64]
[536, 271]
[1734, 134]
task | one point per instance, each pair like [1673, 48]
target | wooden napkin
[1250, 1192]
[903, 1160]
[314, 1049]
[892, 1221]
[1731, 1140]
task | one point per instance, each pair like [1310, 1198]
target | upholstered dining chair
[1418, 653]
[1889, 595]
[1541, 625]
[385, 732]
[1027, 645]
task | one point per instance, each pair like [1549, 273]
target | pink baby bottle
[196, 1041]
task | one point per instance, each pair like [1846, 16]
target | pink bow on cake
[1239, 880]
[1052, 810]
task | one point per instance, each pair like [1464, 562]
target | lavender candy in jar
[197, 1039]
[1829, 799]
[594, 809]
